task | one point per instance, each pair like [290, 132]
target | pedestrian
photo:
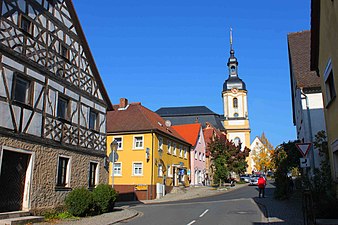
[261, 186]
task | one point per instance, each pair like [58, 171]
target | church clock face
[234, 90]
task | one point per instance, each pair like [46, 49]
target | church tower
[235, 104]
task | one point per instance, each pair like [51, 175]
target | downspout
[152, 164]
[310, 130]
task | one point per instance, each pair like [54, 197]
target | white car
[254, 180]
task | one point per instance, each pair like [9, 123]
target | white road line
[204, 212]
[191, 222]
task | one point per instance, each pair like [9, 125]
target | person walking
[261, 186]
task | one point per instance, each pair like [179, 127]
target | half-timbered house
[52, 106]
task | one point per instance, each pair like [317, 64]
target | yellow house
[152, 156]
[324, 60]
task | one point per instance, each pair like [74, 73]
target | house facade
[194, 135]
[152, 157]
[306, 94]
[324, 60]
[53, 106]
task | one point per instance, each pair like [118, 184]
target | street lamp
[112, 157]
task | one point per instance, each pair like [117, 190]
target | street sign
[304, 162]
[113, 157]
[303, 148]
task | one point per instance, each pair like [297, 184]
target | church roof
[234, 82]
[191, 114]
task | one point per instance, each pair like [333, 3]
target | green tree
[286, 157]
[227, 157]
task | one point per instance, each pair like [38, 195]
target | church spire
[231, 39]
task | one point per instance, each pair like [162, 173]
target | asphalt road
[235, 207]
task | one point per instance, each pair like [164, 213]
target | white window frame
[185, 152]
[200, 156]
[160, 170]
[203, 157]
[119, 143]
[328, 88]
[117, 174]
[160, 143]
[68, 170]
[169, 147]
[181, 151]
[196, 155]
[169, 174]
[134, 142]
[97, 172]
[174, 148]
[133, 167]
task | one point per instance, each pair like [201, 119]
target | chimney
[123, 103]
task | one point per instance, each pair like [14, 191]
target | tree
[263, 155]
[286, 157]
[227, 157]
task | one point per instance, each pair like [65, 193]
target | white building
[307, 100]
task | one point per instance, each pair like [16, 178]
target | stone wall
[43, 192]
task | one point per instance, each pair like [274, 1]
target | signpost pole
[113, 147]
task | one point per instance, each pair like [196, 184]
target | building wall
[41, 188]
[151, 175]
[328, 52]
[198, 164]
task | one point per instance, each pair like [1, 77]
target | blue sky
[174, 53]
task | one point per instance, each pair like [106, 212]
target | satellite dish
[168, 123]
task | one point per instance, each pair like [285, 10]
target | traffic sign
[303, 148]
[113, 156]
[304, 162]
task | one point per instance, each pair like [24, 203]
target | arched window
[235, 103]
[237, 140]
[235, 115]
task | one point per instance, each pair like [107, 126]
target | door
[12, 177]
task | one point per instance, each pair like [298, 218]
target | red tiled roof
[137, 118]
[209, 132]
[299, 56]
[190, 132]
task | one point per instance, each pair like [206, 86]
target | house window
[160, 170]
[185, 153]
[237, 140]
[93, 120]
[137, 169]
[169, 147]
[235, 102]
[235, 115]
[330, 89]
[117, 169]
[62, 111]
[203, 157]
[26, 25]
[22, 90]
[138, 142]
[181, 151]
[200, 156]
[174, 149]
[119, 143]
[196, 156]
[160, 143]
[63, 172]
[169, 173]
[64, 51]
[93, 174]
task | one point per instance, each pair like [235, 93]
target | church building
[235, 104]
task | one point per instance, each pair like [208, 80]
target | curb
[136, 213]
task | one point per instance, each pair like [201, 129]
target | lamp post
[113, 147]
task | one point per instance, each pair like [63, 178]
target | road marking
[204, 212]
[191, 222]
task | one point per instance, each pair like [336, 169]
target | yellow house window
[138, 142]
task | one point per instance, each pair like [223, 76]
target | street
[235, 207]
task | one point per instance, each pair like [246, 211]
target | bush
[79, 202]
[104, 197]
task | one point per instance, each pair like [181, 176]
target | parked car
[245, 178]
[254, 180]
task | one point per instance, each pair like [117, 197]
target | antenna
[231, 38]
